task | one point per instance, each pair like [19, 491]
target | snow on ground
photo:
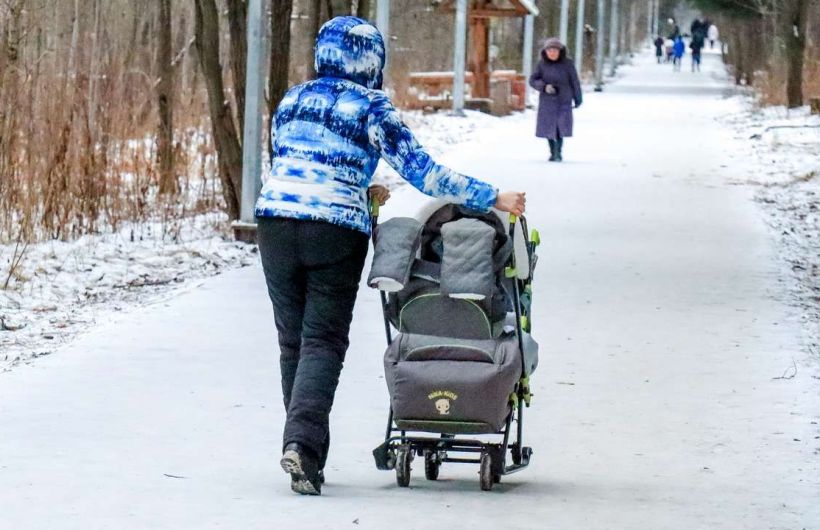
[658, 303]
[61, 288]
[781, 155]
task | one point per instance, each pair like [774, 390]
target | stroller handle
[374, 207]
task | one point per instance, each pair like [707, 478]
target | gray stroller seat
[454, 366]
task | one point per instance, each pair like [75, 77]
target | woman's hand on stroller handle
[514, 202]
[379, 193]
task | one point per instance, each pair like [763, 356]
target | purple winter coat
[555, 110]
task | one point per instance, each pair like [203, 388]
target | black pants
[312, 270]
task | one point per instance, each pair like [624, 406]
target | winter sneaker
[305, 477]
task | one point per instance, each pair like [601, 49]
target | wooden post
[480, 56]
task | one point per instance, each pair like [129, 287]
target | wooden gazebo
[479, 13]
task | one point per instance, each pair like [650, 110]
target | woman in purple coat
[556, 81]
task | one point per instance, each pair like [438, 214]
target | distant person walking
[556, 80]
[678, 50]
[675, 33]
[659, 49]
[696, 46]
[698, 28]
[713, 34]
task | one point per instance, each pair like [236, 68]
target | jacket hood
[351, 48]
[554, 43]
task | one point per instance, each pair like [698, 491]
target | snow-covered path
[658, 305]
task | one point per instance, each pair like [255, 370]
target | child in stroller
[456, 285]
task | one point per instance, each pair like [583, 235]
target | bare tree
[222, 123]
[795, 19]
[165, 86]
[238, 29]
[280, 51]
[316, 19]
[363, 9]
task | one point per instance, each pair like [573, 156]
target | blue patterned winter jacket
[328, 135]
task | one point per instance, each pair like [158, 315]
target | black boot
[552, 150]
[305, 477]
[559, 146]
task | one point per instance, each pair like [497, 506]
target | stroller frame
[399, 449]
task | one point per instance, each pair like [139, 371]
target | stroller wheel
[431, 465]
[403, 458]
[485, 472]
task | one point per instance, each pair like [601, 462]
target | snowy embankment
[54, 290]
[60, 288]
[783, 158]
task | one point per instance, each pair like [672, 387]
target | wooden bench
[434, 90]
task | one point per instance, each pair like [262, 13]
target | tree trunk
[71, 74]
[737, 52]
[280, 52]
[224, 132]
[165, 86]
[93, 74]
[316, 20]
[238, 28]
[363, 9]
[795, 22]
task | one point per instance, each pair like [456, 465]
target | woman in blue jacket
[328, 135]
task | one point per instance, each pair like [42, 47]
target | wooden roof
[496, 8]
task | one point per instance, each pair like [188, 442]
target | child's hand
[379, 192]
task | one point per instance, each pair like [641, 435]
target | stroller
[456, 286]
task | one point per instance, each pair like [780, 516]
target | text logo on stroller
[443, 398]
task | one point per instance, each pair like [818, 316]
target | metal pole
[657, 27]
[459, 57]
[383, 23]
[564, 21]
[383, 20]
[613, 37]
[254, 107]
[579, 37]
[526, 66]
[599, 46]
